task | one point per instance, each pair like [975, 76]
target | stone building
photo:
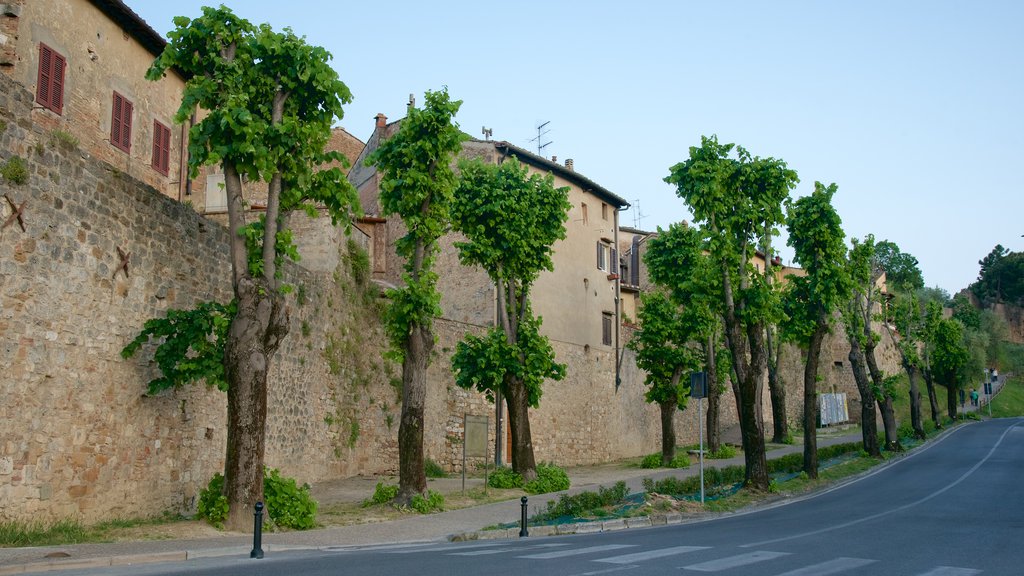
[85, 62]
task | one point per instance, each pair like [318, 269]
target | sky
[913, 108]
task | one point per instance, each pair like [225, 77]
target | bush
[433, 469]
[585, 503]
[15, 170]
[382, 494]
[288, 505]
[213, 504]
[433, 502]
[550, 478]
[680, 460]
[724, 452]
[505, 478]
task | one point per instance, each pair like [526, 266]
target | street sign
[698, 385]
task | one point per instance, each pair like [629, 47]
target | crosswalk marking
[734, 561]
[577, 551]
[649, 554]
[504, 550]
[447, 547]
[951, 571]
[830, 567]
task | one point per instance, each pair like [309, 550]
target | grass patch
[1010, 400]
[21, 534]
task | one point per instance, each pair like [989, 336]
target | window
[583, 207]
[606, 328]
[161, 148]
[121, 123]
[604, 211]
[50, 83]
[603, 257]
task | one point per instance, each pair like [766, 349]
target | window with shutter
[606, 329]
[161, 148]
[50, 82]
[121, 123]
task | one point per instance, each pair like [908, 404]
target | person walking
[974, 396]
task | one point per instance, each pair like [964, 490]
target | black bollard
[257, 533]
[523, 532]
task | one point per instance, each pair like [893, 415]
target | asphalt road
[954, 508]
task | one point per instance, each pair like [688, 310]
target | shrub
[550, 478]
[63, 139]
[433, 469]
[505, 478]
[433, 502]
[680, 460]
[724, 452]
[651, 461]
[213, 504]
[382, 494]
[288, 505]
[585, 503]
[15, 170]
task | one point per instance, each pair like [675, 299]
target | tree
[816, 235]
[664, 351]
[950, 358]
[270, 100]
[906, 315]
[510, 220]
[738, 202]
[676, 262]
[857, 317]
[901, 269]
[418, 185]
[1001, 278]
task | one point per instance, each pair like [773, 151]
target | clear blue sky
[913, 108]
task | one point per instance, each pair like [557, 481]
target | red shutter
[57, 88]
[121, 123]
[161, 147]
[45, 71]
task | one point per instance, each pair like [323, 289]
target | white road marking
[577, 551]
[504, 550]
[830, 567]
[951, 571]
[649, 554]
[734, 561]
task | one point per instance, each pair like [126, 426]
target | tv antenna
[487, 132]
[541, 132]
[637, 214]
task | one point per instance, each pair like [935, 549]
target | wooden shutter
[121, 123]
[614, 268]
[50, 81]
[161, 148]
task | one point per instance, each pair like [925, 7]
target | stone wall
[77, 437]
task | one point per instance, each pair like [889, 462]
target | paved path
[433, 527]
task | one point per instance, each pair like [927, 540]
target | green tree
[270, 100]
[676, 262]
[510, 219]
[816, 235]
[738, 202]
[902, 272]
[950, 359]
[1001, 278]
[664, 352]
[859, 317]
[909, 325]
[418, 184]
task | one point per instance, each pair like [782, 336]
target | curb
[571, 528]
[131, 559]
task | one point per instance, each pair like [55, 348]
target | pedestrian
[974, 396]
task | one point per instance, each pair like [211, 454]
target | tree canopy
[901, 269]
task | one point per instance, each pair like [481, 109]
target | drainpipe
[618, 303]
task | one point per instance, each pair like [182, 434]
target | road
[953, 508]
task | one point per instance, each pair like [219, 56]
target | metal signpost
[698, 390]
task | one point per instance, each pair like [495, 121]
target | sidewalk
[419, 528]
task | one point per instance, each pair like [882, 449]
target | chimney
[568, 165]
[554, 159]
[382, 120]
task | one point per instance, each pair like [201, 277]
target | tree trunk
[885, 404]
[668, 431]
[253, 338]
[951, 402]
[933, 399]
[868, 420]
[748, 392]
[412, 479]
[519, 426]
[811, 397]
[714, 432]
[915, 403]
[777, 390]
